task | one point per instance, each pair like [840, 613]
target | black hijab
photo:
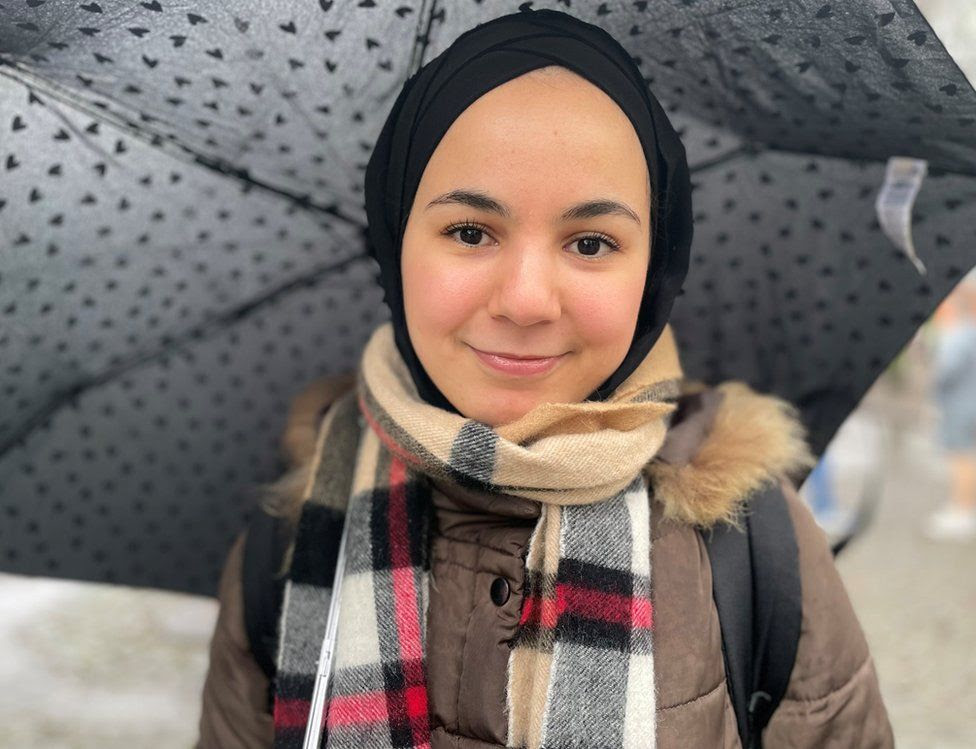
[480, 59]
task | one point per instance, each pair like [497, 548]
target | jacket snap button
[499, 591]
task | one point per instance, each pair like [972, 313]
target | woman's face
[499, 257]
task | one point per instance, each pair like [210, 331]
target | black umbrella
[181, 244]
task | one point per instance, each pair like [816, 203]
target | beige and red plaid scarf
[581, 671]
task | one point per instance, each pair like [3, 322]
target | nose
[526, 285]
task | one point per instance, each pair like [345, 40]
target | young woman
[519, 463]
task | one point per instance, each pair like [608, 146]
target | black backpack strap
[730, 558]
[756, 587]
[264, 548]
[263, 551]
[777, 602]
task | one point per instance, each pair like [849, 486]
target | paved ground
[93, 666]
[916, 599]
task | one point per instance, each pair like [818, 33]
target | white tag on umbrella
[903, 179]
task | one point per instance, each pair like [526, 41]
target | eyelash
[472, 224]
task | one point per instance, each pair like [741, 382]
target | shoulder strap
[264, 547]
[756, 587]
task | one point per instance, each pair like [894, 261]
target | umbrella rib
[746, 149]
[421, 41]
[197, 332]
[68, 97]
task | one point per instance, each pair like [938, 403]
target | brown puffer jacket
[712, 457]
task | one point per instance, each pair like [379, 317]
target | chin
[495, 405]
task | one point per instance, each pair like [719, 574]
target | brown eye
[470, 235]
[589, 247]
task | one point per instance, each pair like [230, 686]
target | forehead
[550, 129]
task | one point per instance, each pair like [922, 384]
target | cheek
[438, 297]
[605, 312]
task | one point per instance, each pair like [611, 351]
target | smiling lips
[518, 365]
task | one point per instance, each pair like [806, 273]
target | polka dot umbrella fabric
[181, 232]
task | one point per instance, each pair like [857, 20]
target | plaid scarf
[580, 671]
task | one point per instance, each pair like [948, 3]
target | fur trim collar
[724, 444]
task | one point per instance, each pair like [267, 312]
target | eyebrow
[586, 209]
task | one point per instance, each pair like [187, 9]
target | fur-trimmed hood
[724, 442]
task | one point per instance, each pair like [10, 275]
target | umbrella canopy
[182, 249]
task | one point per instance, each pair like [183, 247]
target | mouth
[520, 365]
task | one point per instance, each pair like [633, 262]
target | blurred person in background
[822, 498]
[954, 391]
